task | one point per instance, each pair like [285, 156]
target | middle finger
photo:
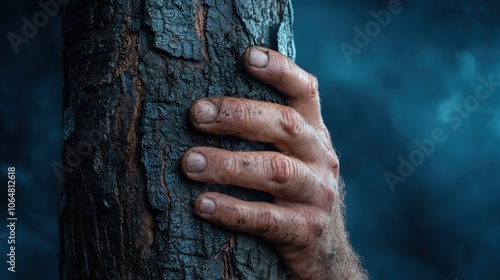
[258, 121]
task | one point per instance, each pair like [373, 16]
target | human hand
[305, 222]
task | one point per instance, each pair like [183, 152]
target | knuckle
[265, 222]
[317, 225]
[291, 122]
[334, 164]
[230, 165]
[331, 193]
[287, 69]
[241, 112]
[283, 169]
[333, 160]
[312, 85]
[231, 169]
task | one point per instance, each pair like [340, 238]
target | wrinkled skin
[305, 222]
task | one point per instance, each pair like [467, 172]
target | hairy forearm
[344, 263]
[333, 258]
[341, 264]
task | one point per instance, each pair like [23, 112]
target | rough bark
[132, 68]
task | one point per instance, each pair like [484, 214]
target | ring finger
[280, 175]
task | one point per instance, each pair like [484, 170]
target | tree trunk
[132, 68]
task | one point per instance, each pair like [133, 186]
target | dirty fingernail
[258, 58]
[207, 206]
[195, 162]
[205, 112]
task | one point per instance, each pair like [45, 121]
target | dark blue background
[442, 222]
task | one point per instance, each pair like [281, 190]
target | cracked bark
[132, 68]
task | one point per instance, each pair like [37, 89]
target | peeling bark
[132, 68]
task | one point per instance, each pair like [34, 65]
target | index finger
[284, 75]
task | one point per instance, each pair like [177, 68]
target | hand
[305, 222]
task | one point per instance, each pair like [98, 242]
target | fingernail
[258, 58]
[195, 162]
[207, 206]
[205, 112]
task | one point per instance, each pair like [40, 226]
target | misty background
[417, 74]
